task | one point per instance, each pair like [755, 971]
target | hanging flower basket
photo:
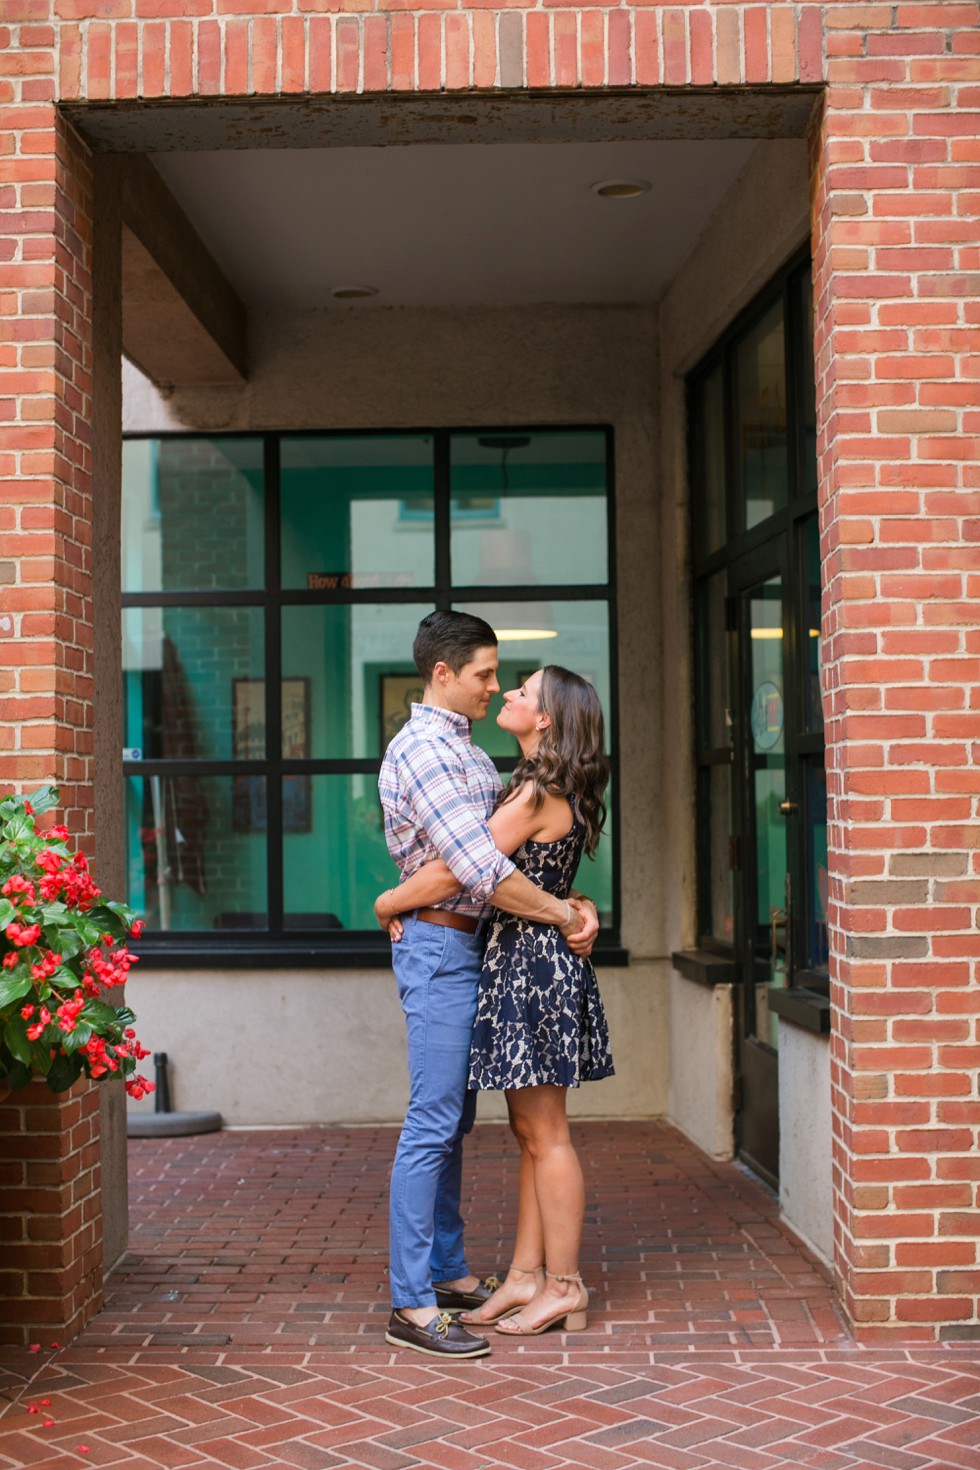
[62, 947]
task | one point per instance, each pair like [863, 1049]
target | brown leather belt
[448, 920]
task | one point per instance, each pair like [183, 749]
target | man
[438, 789]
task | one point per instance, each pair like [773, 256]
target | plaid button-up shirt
[438, 789]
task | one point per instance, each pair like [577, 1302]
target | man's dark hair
[451, 638]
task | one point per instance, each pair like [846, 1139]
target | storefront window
[274, 583]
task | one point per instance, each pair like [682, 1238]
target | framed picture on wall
[396, 692]
[248, 810]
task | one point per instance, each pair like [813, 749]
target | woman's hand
[584, 938]
[396, 929]
[385, 908]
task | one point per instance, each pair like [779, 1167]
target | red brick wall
[45, 453]
[896, 181]
[897, 265]
[50, 1213]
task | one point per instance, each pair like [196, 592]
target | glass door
[764, 928]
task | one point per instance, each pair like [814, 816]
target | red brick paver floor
[245, 1329]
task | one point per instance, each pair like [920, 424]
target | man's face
[469, 692]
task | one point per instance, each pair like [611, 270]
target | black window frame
[275, 946]
[790, 520]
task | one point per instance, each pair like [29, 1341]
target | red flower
[35, 1032]
[137, 929]
[23, 934]
[17, 884]
[138, 1087]
[11, 959]
[28, 809]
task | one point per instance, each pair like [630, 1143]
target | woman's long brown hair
[570, 759]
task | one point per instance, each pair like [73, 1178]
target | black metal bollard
[162, 1094]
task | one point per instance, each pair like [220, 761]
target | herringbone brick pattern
[244, 1329]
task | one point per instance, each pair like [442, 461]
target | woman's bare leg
[526, 1275]
[539, 1120]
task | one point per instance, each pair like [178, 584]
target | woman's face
[521, 714]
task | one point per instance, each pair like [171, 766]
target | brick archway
[894, 158]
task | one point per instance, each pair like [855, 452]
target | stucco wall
[355, 368]
[806, 1195]
[321, 1046]
[762, 221]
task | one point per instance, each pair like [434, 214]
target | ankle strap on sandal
[555, 1277]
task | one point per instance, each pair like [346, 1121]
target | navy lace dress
[539, 1016]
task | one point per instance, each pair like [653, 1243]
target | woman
[540, 1026]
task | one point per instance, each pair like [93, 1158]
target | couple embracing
[490, 948]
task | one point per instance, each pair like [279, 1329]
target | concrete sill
[803, 1008]
[704, 967]
[368, 952]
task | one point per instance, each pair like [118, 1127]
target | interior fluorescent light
[523, 635]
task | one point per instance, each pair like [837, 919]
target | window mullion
[273, 687]
[441, 490]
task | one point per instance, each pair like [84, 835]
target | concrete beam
[182, 321]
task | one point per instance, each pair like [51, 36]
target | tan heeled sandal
[472, 1320]
[575, 1319]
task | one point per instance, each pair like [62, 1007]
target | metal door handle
[788, 807]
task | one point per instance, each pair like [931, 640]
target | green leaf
[65, 942]
[127, 916]
[44, 798]
[8, 911]
[14, 987]
[78, 1038]
[64, 1071]
[88, 932]
[19, 826]
[15, 1038]
[51, 913]
[18, 1076]
[99, 1015]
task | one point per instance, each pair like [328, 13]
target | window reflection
[761, 443]
[183, 672]
[335, 869]
[528, 508]
[357, 663]
[192, 514]
[813, 647]
[714, 699]
[192, 862]
[357, 512]
[708, 462]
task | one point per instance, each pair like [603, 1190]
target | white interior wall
[410, 368]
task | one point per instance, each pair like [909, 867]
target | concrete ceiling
[434, 224]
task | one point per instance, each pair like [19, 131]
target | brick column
[50, 1213]
[898, 351]
[49, 1151]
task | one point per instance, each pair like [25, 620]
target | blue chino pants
[438, 972]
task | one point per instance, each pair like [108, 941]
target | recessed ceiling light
[352, 293]
[620, 188]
